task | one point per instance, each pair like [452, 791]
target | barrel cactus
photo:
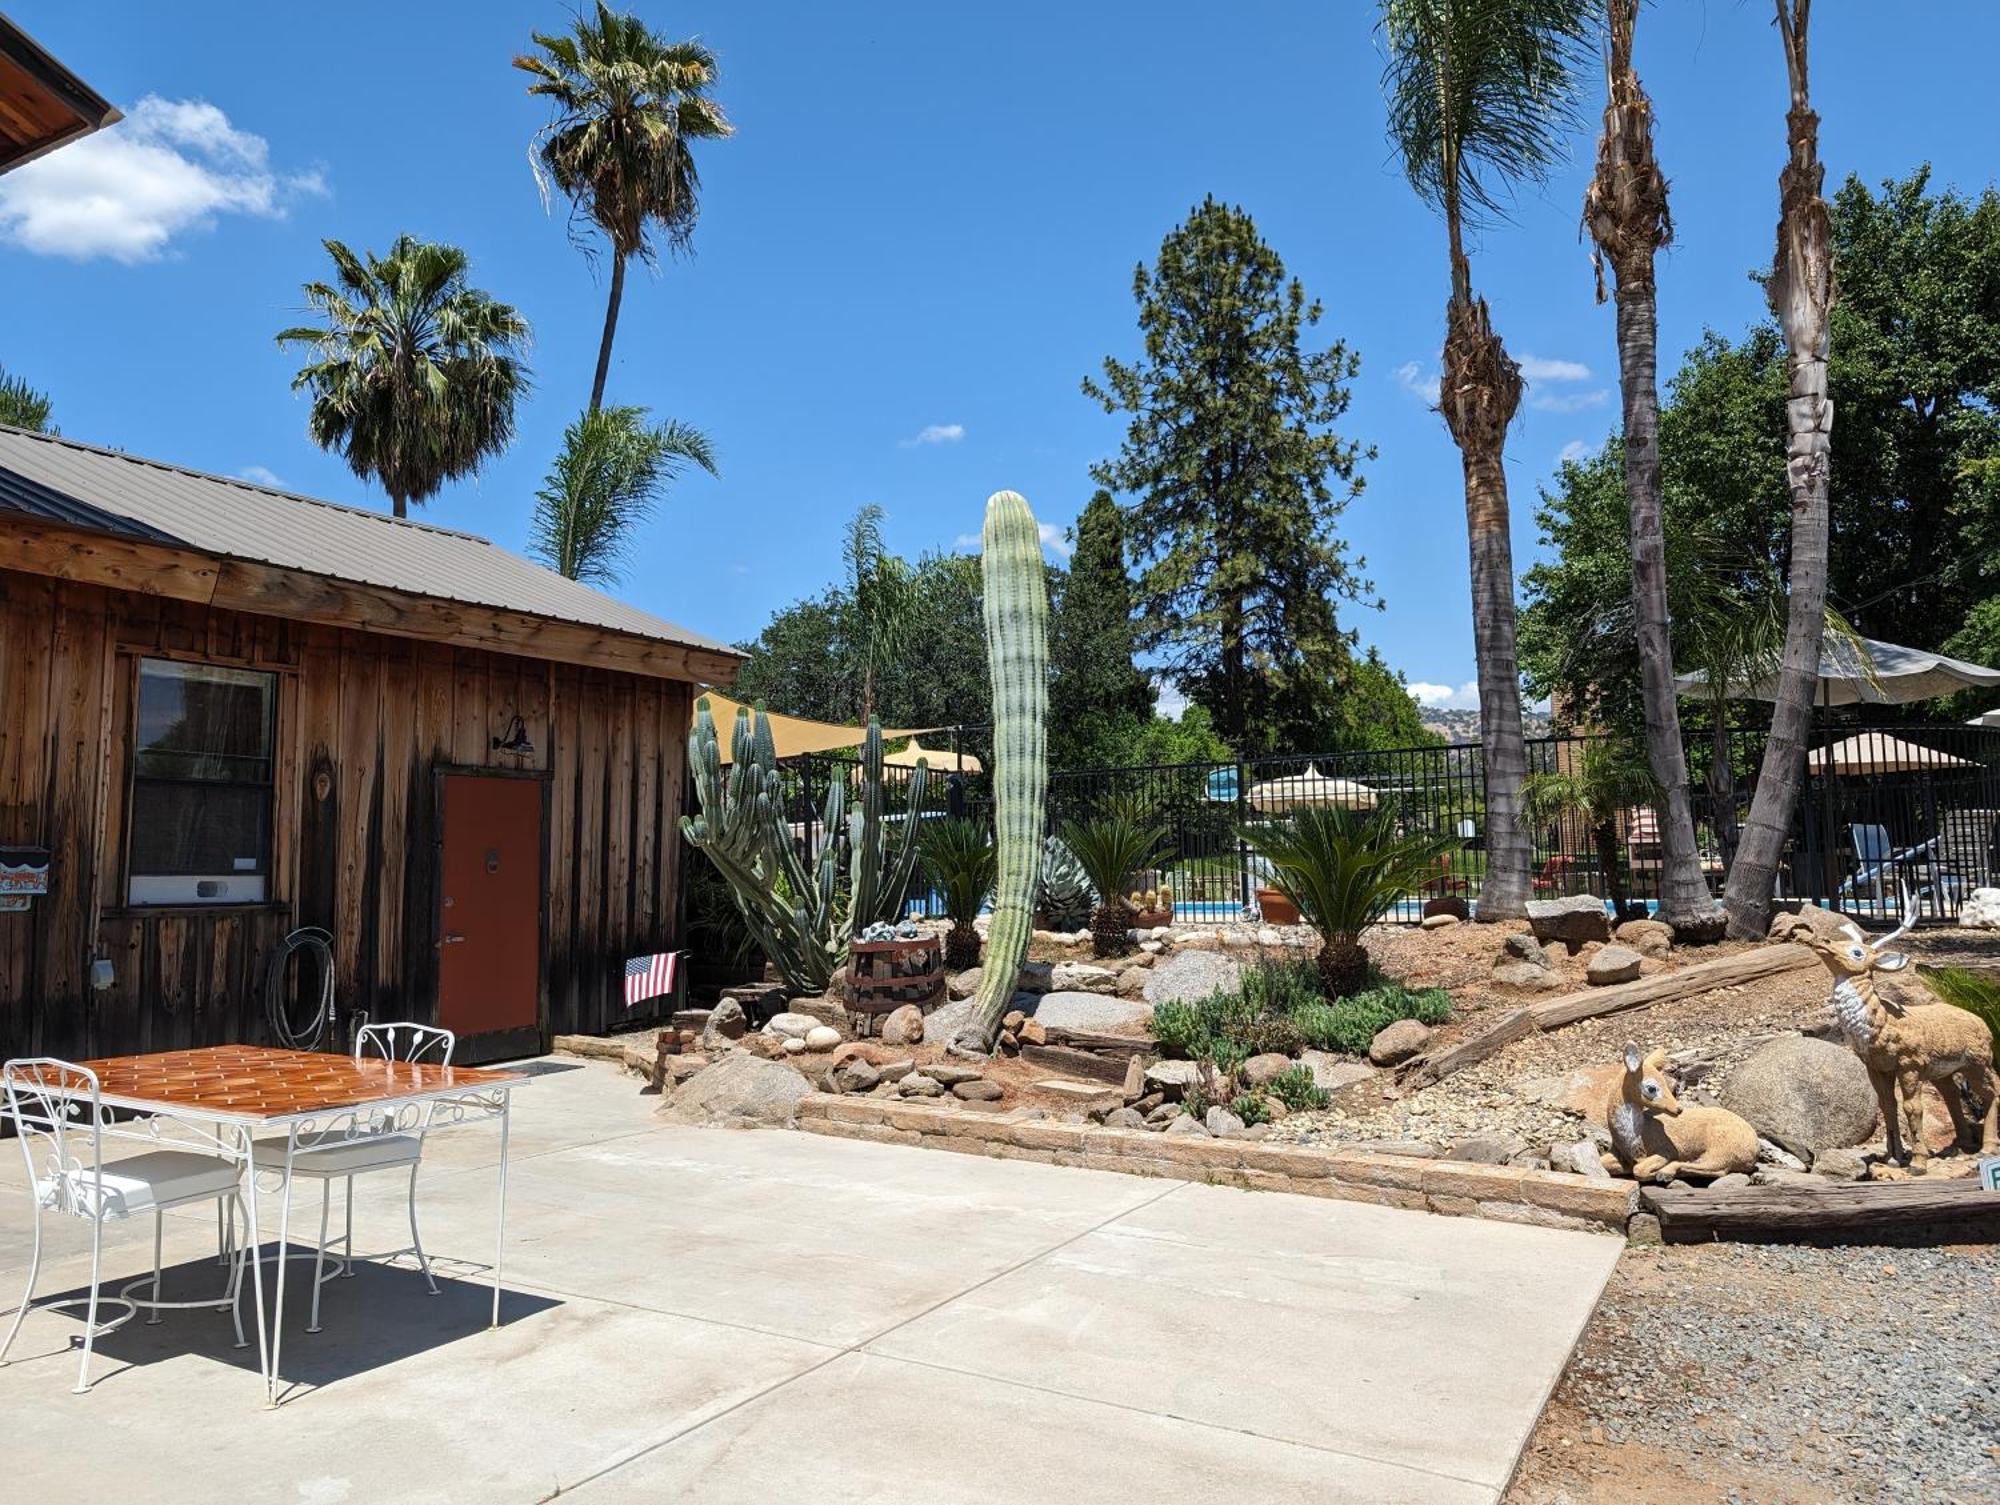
[1017, 659]
[1066, 898]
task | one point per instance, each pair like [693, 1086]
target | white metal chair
[55, 1109]
[389, 1146]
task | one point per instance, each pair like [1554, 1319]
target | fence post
[1245, 889]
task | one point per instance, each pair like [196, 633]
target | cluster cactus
[797, 908]
[1017, 658]
[1151, 900]
[1066, 898]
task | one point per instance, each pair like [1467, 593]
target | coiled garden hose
[286, 1027]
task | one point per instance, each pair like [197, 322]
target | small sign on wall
[24, 873]
[1989, 1173]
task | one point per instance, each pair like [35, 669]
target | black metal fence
[1883, 811]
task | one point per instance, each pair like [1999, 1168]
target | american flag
[649, 976]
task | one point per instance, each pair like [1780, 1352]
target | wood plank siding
[365, 720]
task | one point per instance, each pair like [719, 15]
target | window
[201, 785]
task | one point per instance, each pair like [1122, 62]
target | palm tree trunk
[1801, 292]
[1605, 834]
[610, 330]
[1479, 391]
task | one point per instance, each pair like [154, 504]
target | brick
[1457, 1178]
[1285, 1160]
[1449, 1205]
[1539, 1217]
[1402, 1172]
[1047, 1136]
[1606, 1203]
[1134, 1165]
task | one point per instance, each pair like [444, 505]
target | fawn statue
[1655, 1138]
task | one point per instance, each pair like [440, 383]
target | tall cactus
[1017, 659]
[793, 902]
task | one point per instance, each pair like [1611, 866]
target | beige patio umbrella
[1878, 752]
[1311, 788]
[941, 760]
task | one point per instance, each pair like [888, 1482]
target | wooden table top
[248, 1082]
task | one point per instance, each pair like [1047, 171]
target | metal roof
[79, 486]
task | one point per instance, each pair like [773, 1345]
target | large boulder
[1082, 977]
[1585, 1091]
[1806, 919]
[1087, 1011]
[1647, 937]
[1981, 911]
[1398, 1042]
[740, 1091]
[903, 1026]
[1573, 920]
[1614, 964]
[944, 1022]
[1448, 904]
[1804, 1094]
[1261, 1071]
[1188, 975]
[1331, 1072]
[724, 1026]
[1523, 963]
[789, 1026]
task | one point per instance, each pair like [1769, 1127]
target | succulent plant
[1066, 897]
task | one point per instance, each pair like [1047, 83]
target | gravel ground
[1778, 1375]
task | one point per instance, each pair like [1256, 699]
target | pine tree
[1236, 478]
[1098, 698]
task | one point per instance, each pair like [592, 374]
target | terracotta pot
[1276, 908]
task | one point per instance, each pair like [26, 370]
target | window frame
[187, 896]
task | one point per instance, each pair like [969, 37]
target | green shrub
[1975, 992]
[1251, 1108]
[1195, 1102]
[1181, 1029]
[1348, 1025]
[1280, 1009]
[1297, 1090]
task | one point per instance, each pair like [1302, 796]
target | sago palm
[1801, 293]
[1480, 94]
[628, 107]
[612, 469]
[961, 862]
[1606, 781]
[1345, 870]
[414, 373]
[1112, 848]
[1625, 211]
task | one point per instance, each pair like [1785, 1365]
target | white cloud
[1572, 452]
[936, 433]
[1418, 382]
[1568, 402]
[1537, 368]
[172, 165]
[1052, 540]
[1169, 702]
[1444, 697]
[259, 476]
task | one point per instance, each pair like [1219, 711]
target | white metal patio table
[234, 1093]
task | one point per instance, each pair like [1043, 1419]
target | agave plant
[961, 862]
[1066, 898]
[1345, 869]
[1112, 848]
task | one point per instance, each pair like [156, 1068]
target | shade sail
[941, 760]
[1864, 672]
[794, 736]
[1311, 788]
[1878, 752]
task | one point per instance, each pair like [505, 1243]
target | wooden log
[1122, 1047]
[1798, 1210]
[1081, 1063]
[1515, 1024]
[1765, 961]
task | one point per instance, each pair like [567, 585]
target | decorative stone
[1332, 1073]
[1124, 1118]
[1441, 921]
[1132, 981]
[1647, 937]
[905, 1026]
[1981, 911]
[1082, 977]
[1135, 1078]
[946, 1020]
[1032, 1032]
[1093, 1012]
[1573, 920]
[1526, 948]
[1614, 964]
[824, 1009]
[1259, 1071]
[1220, 1122]
[1486, 1150]
[1186, 1123]
[1189, 975]
[856, 1075]
[978, 1090]
[1173, 1077]
[822, 1037]
[1449, 904]
[789, 1026]
[1582, 1158]
[919, 1085]
[739, 1091]
[1805, 1094]
[1398, 1042]
[795, 1045]
[950, 1073]
[1036, 977]
[964, 984]
[725, 1024]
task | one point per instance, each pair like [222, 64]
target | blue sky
[920, 240]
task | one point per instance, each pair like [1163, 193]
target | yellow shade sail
[794, 736]
[941, 760]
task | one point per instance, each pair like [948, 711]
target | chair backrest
[1871, 843]
[54, 1108]
[422, 1043]
[1965, 842]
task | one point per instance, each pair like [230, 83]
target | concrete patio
[701, 1315]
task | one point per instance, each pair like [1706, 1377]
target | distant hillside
[1463, 726]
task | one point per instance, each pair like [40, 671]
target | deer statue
[1904, 1045]
[1655, 1138]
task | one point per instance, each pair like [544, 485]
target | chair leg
[223, 1234]
[28, 1295]
[235, 1200]
[159, 1232]
[416, 1242]
[347, 1239]
[319, 1259]
[90, 1313]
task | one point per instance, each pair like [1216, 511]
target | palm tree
[1345, 871]
[612, 469]
[882, 597]
[1480, 93]
[1801, 294]
[1625, 210]
[1112, 848]
[414, 373]
[1608, 780]
[629, 104]
[22, 406]
[961, 862]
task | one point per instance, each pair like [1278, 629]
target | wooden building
[227, 712]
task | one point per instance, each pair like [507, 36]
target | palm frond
[961, 861]
[1111, 849]
[1345, 869]
[611, 472]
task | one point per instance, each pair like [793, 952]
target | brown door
[490, 913]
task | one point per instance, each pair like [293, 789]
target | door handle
[452, 939]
